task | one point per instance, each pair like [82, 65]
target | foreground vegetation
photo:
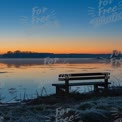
[87, 107]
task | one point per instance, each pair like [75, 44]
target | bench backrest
[84, 76]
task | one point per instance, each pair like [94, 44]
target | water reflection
[116, 63]
[25, 78]
[17, 63]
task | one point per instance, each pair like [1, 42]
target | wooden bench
[64, 87]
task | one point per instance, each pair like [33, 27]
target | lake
[27, 78]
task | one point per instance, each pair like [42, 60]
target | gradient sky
[63, 26]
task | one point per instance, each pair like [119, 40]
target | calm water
[19, 77]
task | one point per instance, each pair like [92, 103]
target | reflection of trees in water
[20, 65]
[116, 63]
[114, 59]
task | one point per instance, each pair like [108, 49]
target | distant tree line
[24, 54]
[29, 54]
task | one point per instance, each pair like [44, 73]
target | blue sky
[71, 14]
[71, 20]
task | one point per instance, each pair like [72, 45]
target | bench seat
[81, 83]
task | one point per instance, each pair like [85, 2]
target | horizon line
[55, 53]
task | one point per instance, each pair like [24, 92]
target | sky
[61, 26]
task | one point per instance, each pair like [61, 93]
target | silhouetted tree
[17, 52]
[9, 52]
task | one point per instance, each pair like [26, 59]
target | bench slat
[84, 74]
[82, 78]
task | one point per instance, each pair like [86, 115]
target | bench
[64, 87]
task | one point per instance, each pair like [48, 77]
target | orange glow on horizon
[61, 45]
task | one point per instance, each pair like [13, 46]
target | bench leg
[67, 87]
[106, 88]
[106, 85]
[60, 90]
[57, 90]
[96, 90]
